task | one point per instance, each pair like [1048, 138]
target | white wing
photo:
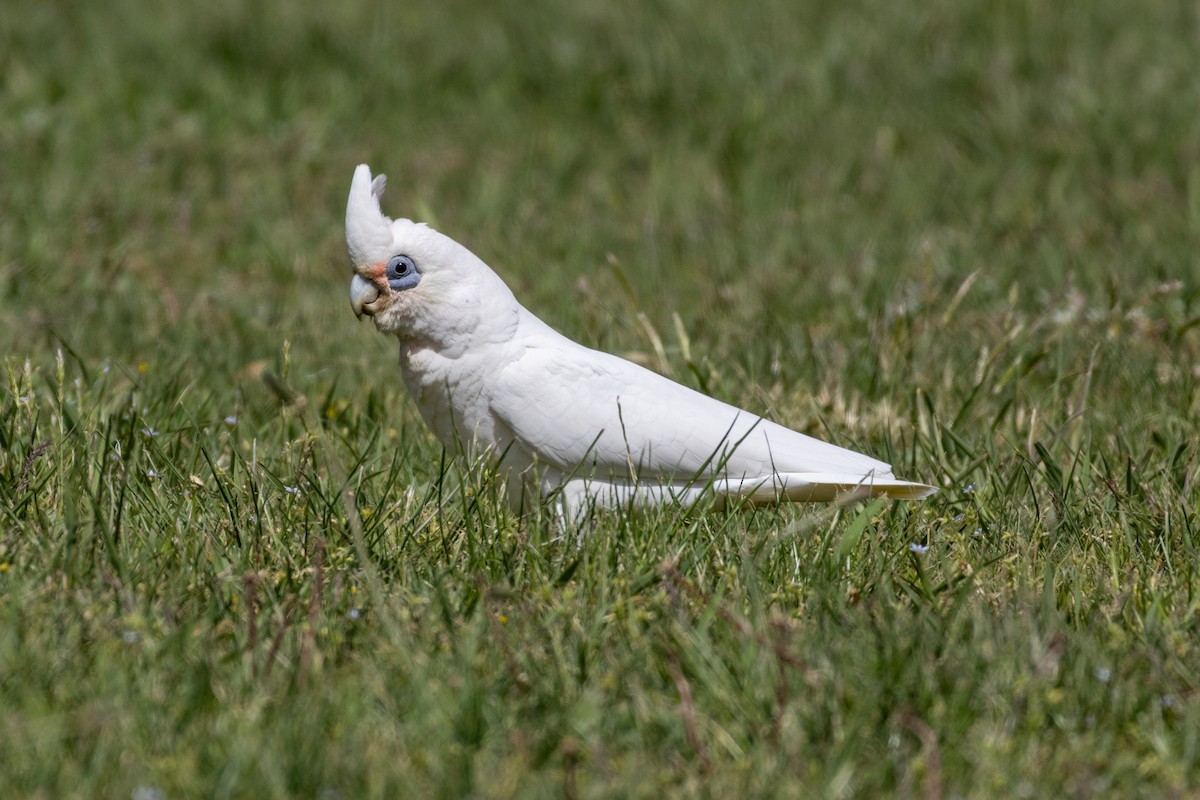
[603, 418]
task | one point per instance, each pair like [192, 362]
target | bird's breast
[450, 394]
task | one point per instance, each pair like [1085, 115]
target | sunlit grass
[961, 237]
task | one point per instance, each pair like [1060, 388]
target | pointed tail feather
[581, 495]
[818, 487]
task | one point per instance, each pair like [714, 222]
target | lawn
[960, 236]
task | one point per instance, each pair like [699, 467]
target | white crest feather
[368, 231]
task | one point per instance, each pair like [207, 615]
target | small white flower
[959, 518]
[131, 637]
[354, 613]
[970, 488]
[292, 489]
[149, 433]
[152, 473]
[918, 548]
[1103, 674]
[231, 420]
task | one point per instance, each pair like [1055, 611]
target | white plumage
[566, 423]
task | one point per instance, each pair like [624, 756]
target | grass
[961, 236]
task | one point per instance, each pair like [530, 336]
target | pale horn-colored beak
[362, 294]
[368, 231]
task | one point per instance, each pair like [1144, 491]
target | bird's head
[415, 282]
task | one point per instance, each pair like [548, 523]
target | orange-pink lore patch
[377, 276]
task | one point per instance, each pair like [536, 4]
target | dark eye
[400, 266]
[402, 273]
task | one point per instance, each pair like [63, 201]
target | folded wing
[598, 417]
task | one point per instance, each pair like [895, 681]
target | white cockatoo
[567, 425]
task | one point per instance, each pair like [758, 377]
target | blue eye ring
[402, 273]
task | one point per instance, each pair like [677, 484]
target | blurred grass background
[959, 235]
